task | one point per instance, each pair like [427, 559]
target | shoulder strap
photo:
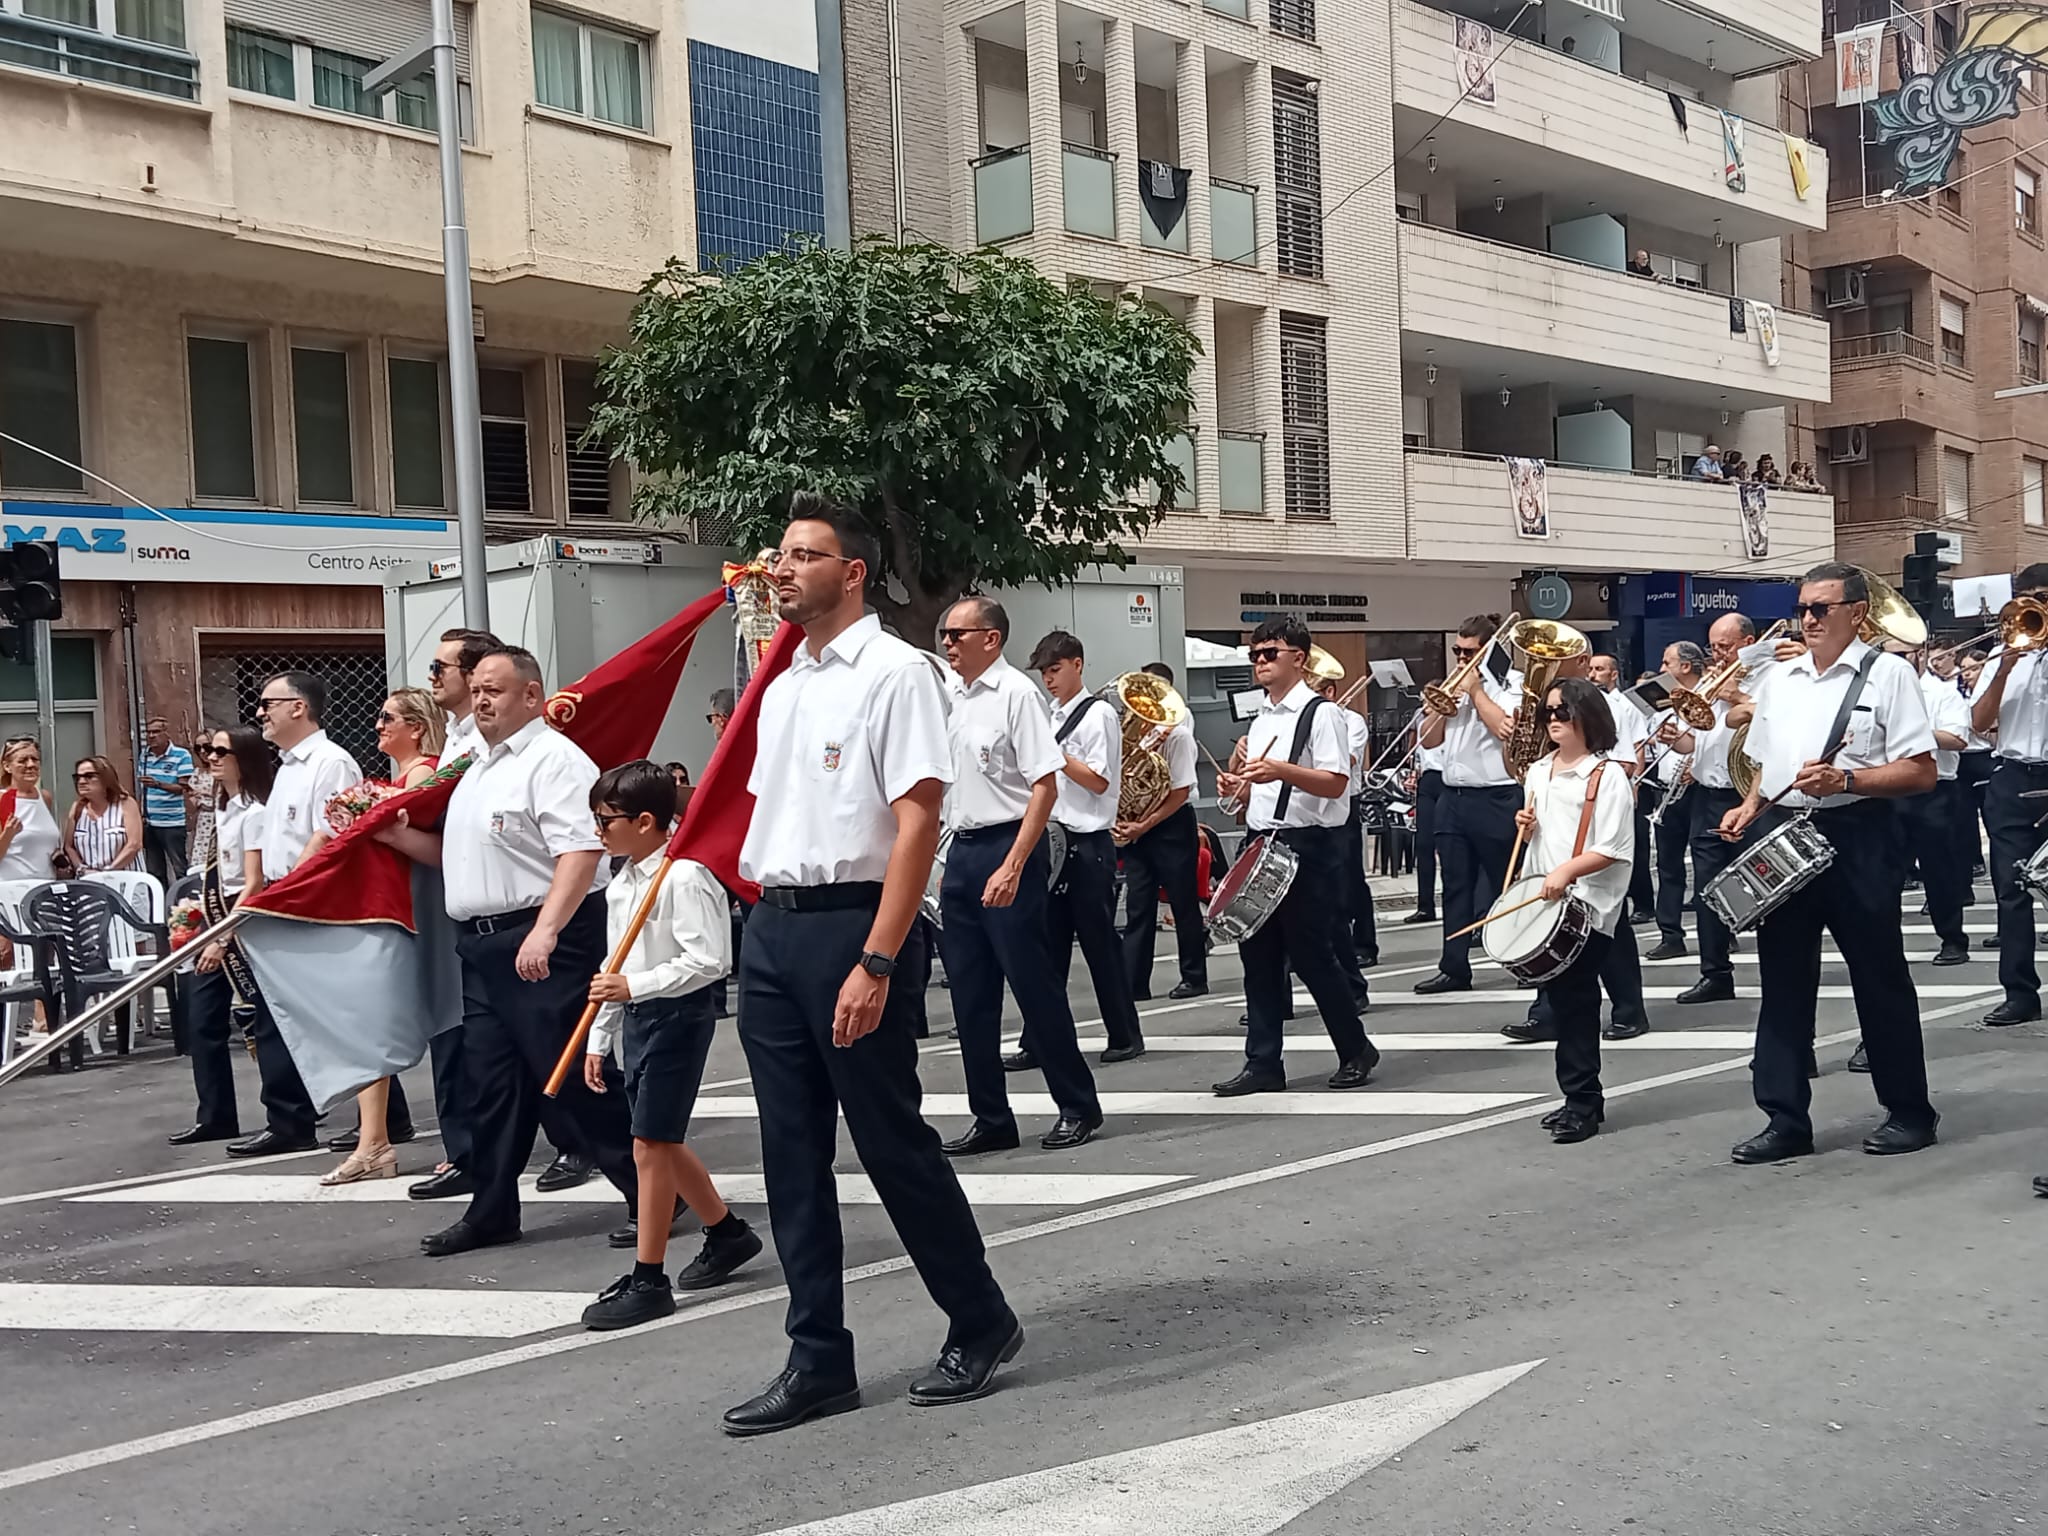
[1073, 719]
[1586, 810]
[1302, 727]
[1836, 736]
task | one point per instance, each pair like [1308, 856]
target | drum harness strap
[1586, 810]
[1073, 719]
[1301, 730]
[1838, 733]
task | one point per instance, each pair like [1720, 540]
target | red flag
[714, 824]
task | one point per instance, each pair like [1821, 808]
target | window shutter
[1955, 483]
[2030, 488]
[1951, 315]
[369, 29]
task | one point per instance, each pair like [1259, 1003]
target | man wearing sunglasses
[448, 681]
[2012, 701]
[1842, 732]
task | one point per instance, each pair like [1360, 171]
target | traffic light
[30, 590]
[1920, 581]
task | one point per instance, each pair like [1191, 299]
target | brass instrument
[1890, 617]
[1742, 768]
[1696, 706]
[1147, 708]
[1674, 794]
[1544, 646]
[2022, 626]
[1442, 698]
[1322, 667]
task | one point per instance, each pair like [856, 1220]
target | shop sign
[1312, 608]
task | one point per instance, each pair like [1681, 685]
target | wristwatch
[1848, 781]
[878, 965]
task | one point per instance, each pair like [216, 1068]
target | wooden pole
[612, 966]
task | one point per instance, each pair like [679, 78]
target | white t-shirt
[1558, 797]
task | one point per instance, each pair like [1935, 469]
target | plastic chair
[145, 893]
[82, 921]
[28, 983]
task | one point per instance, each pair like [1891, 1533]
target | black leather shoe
[964, 1372]
[1624, 1031]
[1641, 917]
[1187, 989]
[1367, 962]
[980, 1138]
[1019, 1061]
[719, 1258]
[347, 1141]
[1667, 949]
[565, 1172]
[1557, 1117]
[1709, 989]
[1429, 986]
[2010, 1012]
[1859, 1059]
[1988, 941]
[461, 1238]
[1573, 1126]
[1117, 1053]
[1356, 1072]
[270, 1144]
[1772, 1147]
[190, 1134]
[1953, 952]
[1249, 1081]
[1526, 1033]
[1071, 1131]
[445, 1185]
[627, 1303]
[1413, 918]
[1895, 1136]
[789, 1400]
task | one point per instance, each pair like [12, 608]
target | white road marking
[1656, 1040]
[1244, 1480]
[1034, 1106]
[299, 1309]
[1831, 994]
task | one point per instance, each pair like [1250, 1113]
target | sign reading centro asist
[103, 543]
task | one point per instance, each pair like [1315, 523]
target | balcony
[85, 53]
[1895, 232]
[1882, 344]
[1583, 133]
[1608, 520]
[1527, 316]
[1181, 450]
[1895, 376]
[1236, 10]
[1002, 196]
[1241, 472]
[1233, 222]
[1088, 182]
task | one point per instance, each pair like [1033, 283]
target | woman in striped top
[105, 827]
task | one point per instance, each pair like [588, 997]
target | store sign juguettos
[1310, 607]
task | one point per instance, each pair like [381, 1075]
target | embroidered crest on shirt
[833, 749]
[291, 814]
[987, 755]
[497, 823]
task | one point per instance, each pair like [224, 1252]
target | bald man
[1713, 796]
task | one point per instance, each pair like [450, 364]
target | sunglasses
[1270, 652]
[436, 668]
[216, 752]
[264, 706]
[606, 818]
[955, 636]
[1816, 611]
[80, 778]
[385, 717]
[1463, 654]
[1558, 712]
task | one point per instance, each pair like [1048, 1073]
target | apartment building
[1936, 304]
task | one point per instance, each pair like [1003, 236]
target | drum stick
[1504, 912]
[617, 962]
[1514, 858]
[1236, 803]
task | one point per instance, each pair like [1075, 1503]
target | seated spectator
[1734, 468]
[1800, 477]
[1639, 265]
[1708, 465]
[1766, 472]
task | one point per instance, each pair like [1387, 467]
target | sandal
[381, 1164]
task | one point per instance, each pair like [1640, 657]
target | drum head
[1516, 935]
[1241, 871]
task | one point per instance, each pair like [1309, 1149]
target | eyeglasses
[385, 717]
[955, 636]
[800, 555]
[264, 706]
[216, 752]
[606, 818]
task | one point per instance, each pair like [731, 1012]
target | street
[1400, 1309]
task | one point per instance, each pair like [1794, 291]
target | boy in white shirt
[661, 1005]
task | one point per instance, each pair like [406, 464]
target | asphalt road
[1839, 1345]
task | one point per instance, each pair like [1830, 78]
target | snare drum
[1540, 942]
[1252, 892]
[1765, 875]
[2033, 873]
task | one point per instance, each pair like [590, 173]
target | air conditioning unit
[1849, 445]
[1845, 288]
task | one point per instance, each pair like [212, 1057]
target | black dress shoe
[1117, 1053]
[1187, 989]
[1019, 1061]
[1429, 986]
[2010, 1012]
[1527, 1033]
[1772, 1147]
[1641, 917]
[1367, 962]
[1557, 1117]
[980, 1138]
[1667, 949]
[271, 1143]
[1859, 1059]
[1895, 1136]
[789, 1400]
[347, 1141]
[1071, 1131]
[1953, 952]
[1356, 1072]
[1989, 941]
[1710, 989]
[628, 1236]
[1249, 1081]
[190, 1134]
[719, 1258]
[1419, 917]
[566, 1172]
[1624, 1031]
[461, 1238]
[964, 1372]
[445, 1185]
[628, 1302]
[1574, 1125]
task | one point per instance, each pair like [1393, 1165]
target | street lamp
[438, 49]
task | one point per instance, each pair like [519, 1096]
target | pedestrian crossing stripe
[1497, 995]
[1490, 1040]
[495, 1313]
[1361, 1104]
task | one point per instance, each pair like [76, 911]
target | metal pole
[463, 408]
[46, 691]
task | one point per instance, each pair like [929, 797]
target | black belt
[500, 922]
[844, 897]
[1006, 829]
[2021, 762]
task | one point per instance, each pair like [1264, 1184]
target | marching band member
[992, 898]
[1428, 788]
[1930, 819]
[1295, 782]
[1579, 819]
[1838, 691]
[1475, 819]
[2012, 698]
[1713, 796]
[1083, 909]
[1355, 935]
[1630, 726]
[1669, 767]
[1973, 772]
[1159, 854]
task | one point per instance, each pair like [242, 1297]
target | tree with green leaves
[990, 424]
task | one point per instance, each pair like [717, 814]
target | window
[1415, 421]
[220, 379]
[338, 83]
[589, 70]
[322, 426]
[590, 468]
[413, 386]
[331, 79]
[1293, 18]
[1297, 177]
[39, 404]
[1676, 269]
[1678, 451]
[508, 480]
[1408, 205]
[2030, 492]
[1951, 193]
[139, 44]
[1952, 351]
[1305, 414]
[1955, 485]
[74, 667]
[2030, 345]
[2026, 213]
[265, 65]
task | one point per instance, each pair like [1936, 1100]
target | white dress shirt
[237, 828]
[843, 735]
[1355, 742]
[1472, 753]
[462, 736]
[1179, 751]
[1097, 740]
[1710, 751]
[1002, 746]
[1795, 710]
[1631, 726]
[308, 776]
[1558, 797]
[1328, 749]
[685, 945]
[1430, 759]
[2023, 712]
[1946, 711]
[522, 805]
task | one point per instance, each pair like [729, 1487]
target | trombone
[1442, 698]
[2022, 626]
[1696, 706]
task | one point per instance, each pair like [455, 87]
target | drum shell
[2033, 873]
[1553, 955]
[1253, 890]
[1767, 873]
[1056, 863]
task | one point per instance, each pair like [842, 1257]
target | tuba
[1147, 708]
[1890, 617]
[1542, 647]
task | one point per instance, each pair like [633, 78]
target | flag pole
[612, 966]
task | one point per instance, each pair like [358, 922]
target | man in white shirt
[1294, 783]
[992, 898]
[1082, 907]
[1841, 731]
[1160, 855]
[1667, 774]
[1711, 798]
[522, 872]
[2012, 700]
[1355, 935]
[1428, 788]
[1930, 819]
[1974, 767]
[448, 681]
[852, 765]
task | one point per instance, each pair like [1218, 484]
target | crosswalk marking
[297, 1309]
[1031, 1106]
[1665, 994]
[1490, 1040]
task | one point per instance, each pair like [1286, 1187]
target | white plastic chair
[145, 893]
[20, 1016]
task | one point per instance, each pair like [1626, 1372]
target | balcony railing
[1889, 512]
[86, 54]
[1880, 345]
[1181, 450]
[1002, 196]
[1233, 222]
[1088, 177]
[1241, 471]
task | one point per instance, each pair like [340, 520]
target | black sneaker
[718, 1258]
[628, 1302]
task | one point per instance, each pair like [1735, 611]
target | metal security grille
[1305, 414]
[232, 679]
[1297, 177]
[1296, 18]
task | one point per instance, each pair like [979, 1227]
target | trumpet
[1442, 698]
[1696, 706]
[2022, 626]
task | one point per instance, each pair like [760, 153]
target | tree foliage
[990, 424]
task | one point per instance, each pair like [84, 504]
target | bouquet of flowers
[357, 799]
[185, 921]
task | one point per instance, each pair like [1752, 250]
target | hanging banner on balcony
[1530, 495]
[1475, 61]
[1857, 67]
[1795, 157]
[1756, 519]
[1766, 331]
[1163, 189]
[1731, 153]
